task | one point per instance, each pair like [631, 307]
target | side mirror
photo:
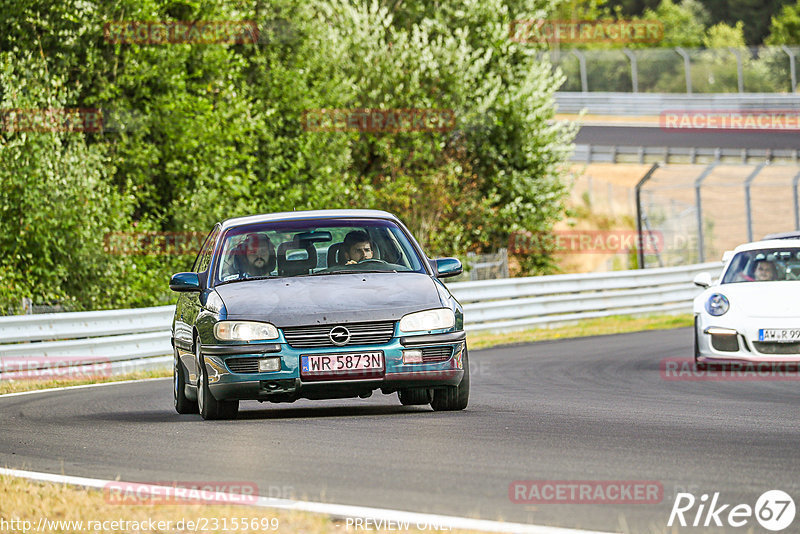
[446, 267]
[183, 282]
[702, 279]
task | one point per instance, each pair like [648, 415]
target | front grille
[725, 342]
[437, 354]
[777, 348]
[303, 337]
[242, 365]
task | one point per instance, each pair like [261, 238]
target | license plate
[349, 365]
[779, 335]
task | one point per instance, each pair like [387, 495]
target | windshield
[306, 248]
[765, 265]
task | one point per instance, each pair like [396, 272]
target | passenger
[357, 247]
[254, 257]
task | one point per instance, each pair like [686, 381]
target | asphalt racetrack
[654, 136]
[570, 410]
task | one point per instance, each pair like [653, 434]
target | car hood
[325, 299]
[758, 299]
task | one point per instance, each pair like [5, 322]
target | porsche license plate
[352, 364]
[779, 335]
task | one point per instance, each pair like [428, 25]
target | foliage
[195, 133]
[784, 27]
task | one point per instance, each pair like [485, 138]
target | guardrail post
[638, 190]
[739, 74]
[634, 69]
[796, 202]
[747, 184]
[686, 67]
[698, 200]
[792, 68]
[582, 64]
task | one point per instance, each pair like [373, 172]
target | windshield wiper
[358, 271]
[246, 279]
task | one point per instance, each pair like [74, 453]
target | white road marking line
[82, 386]
[333, 510]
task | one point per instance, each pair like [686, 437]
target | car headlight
[717, 304]
[244, 331]
[428, 320]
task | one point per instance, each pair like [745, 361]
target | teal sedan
[318, 305]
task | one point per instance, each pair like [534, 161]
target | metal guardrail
[516, 303]
[656, 103]
[126, 340]
[682, 155]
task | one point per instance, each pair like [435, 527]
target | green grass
[618, 324]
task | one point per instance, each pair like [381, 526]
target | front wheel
[700, 366]
[211, 408]
[182, 404]
[453, 398]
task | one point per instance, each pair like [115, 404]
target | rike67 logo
[774, 510]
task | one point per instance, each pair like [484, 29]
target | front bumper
[720, 342]
[288, 384]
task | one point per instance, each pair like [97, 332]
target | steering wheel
[371, 260]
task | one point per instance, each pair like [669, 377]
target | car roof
[309, 214]
[795, 234]
[769, 243]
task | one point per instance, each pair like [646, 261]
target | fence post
[698, 200]
[634, 69]
[796, 206]
[792, 68]
[739, 74]
[638, 190]
[582, 64]
[747, 184]
[687, 68]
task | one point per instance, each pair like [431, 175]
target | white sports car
[752, 313]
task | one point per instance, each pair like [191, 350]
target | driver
[766, 271]
[357, 247]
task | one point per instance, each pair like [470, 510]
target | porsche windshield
[765, 265]
[305, 248]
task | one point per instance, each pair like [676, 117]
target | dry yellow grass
[25, 506]
[17, 386]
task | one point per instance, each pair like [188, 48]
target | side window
[204, 257]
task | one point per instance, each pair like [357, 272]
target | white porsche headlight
[428, 320]
[717, 304]
[244, 331]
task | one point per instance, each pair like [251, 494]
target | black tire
[453, 398]
[183, 405]
[209, 407]
[415, 396]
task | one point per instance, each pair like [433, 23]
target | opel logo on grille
[339, 335]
